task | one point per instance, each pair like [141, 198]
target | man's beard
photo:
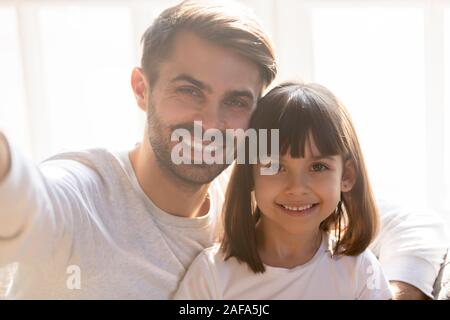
[159, 138]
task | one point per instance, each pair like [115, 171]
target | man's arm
[405, 291]
[41, 204]
[17, 197]
[4, 157]
[29, 225]
[411, 247]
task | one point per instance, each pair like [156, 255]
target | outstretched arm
[4, 157]
[34, 212]
[411, 247]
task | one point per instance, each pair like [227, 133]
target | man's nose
[212, 117]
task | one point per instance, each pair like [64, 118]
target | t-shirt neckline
[159, 214]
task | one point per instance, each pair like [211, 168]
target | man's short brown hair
[230, 26]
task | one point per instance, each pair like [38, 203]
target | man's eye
[319, 167]
[236, 103]
[190, 91]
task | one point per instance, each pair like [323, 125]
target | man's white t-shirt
[323, 277]
[81, 227]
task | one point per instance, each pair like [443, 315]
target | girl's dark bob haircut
[302, 112]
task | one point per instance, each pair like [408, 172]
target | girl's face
[304, 191]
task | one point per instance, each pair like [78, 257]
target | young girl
[303, 232]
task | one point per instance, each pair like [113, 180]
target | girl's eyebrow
[331, 158]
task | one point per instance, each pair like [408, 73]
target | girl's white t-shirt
[323, 277]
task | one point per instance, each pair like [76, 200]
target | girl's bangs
[303, 120]
[302, 115]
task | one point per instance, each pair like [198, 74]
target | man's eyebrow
[195, 82]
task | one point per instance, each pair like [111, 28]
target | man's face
[200, 81]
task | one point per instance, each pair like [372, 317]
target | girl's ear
[348, 176]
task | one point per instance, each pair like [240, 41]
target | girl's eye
[319, 167]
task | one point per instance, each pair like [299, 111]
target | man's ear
[140, 87]
[348, 176]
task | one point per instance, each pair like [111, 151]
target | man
[95, 224]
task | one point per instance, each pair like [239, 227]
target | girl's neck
[278, 248]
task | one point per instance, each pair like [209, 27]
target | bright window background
[87, 58]
[65, 74]
[367, 58]
[13, 115]
[447, 109]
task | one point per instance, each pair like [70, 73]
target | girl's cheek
[326, 182]
[333, 185]
[268, 184]
[262, 184]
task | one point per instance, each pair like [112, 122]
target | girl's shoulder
[209, 258]
[213, 255]
[215, 261]
[201, 280]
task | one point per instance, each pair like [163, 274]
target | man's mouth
[200, 147]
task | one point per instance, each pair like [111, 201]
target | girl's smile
[298, 210]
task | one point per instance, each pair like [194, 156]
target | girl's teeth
[298, 208]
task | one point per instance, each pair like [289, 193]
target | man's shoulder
[394, 212]
[97, 164]
[87, 156]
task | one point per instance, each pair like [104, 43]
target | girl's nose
[298, 184]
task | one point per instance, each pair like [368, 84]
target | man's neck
[165, 190]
